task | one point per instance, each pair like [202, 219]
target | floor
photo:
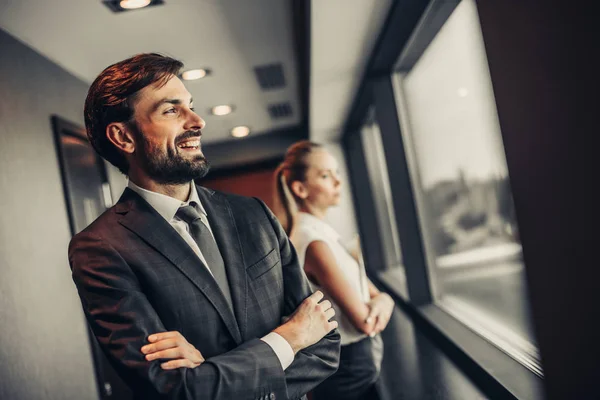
[415, 369]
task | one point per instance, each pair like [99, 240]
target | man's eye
[170, 111]
[193, 109]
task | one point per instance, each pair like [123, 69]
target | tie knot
[188, 214]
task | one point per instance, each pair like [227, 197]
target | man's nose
[194, 121]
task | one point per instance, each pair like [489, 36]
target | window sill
[492, 370]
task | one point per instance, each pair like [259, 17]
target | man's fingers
[329, 314]
[163, 335]
[169, 353]
[160, 345]
[316, 296]
[325, 305]
[176, 353]
[332, 325]
[182, 363]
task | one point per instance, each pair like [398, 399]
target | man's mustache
[188, 135]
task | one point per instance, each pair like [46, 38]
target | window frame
[409, 29]
[371, 133]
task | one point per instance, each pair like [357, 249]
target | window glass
[450, 125]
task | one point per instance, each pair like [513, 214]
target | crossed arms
[123, 318]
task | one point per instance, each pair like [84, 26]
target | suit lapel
[144, 221]
[225, 231]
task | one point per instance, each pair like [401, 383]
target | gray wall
[44, 351]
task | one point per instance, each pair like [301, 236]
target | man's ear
[299, 190]
[121, 136]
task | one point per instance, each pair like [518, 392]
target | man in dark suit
[184, 287]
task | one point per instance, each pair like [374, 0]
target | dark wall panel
[43, 340]
[542, 64]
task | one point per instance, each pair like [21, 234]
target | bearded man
[184, 287]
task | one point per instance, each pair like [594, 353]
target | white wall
[116, 180]
[44, 349]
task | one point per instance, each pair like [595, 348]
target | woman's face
[321, 186]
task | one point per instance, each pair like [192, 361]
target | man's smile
[189, 144]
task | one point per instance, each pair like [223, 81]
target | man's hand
[174, 347]
[309, 323]
[381, 308]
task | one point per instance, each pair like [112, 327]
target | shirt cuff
[281, 347]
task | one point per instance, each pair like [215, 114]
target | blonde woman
[308, 184]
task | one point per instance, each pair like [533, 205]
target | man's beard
[171, 168]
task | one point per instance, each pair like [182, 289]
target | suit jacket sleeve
[313, 364]
[122, 319]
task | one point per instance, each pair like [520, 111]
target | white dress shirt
[309, 229]
[167, 207]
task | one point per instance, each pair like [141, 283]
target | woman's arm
[381, 305]
[321, 267]
[373, 291]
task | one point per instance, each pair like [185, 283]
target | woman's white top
[309, 229]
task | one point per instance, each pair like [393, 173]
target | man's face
[167, 134]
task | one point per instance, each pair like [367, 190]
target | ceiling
[343, 35]
[230, 37]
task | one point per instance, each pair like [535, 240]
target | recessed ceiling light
[240, 131]
[221, 110]
[193, 74]
[133, 4]
[119, 6]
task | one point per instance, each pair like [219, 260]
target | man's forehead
[173, 89]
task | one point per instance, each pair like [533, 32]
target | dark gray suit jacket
[137, 276]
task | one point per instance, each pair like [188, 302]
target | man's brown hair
[113, 93]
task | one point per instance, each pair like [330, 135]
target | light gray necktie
[201, 234]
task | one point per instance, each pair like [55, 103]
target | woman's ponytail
[285, 205]
[293, 168]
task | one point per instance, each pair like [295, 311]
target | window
[382, 197]
[461, 183]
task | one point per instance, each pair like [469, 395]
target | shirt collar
[165, 205]
[318, 224]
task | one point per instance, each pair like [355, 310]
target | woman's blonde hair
[292, 168]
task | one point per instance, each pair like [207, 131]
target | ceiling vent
[270, 76]
[280, 110]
